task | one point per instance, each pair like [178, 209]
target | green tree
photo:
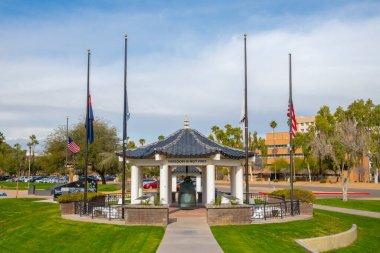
[142, 142]
[161, 137]
[101, 153]
[273, 125]
[305, 141]
[230, 136]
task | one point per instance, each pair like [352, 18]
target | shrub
[66, 198]
[156, 200]
[323, 181]
[302, 195]
[145, 202]
[218, 201]
[276, 180]
[259, 179]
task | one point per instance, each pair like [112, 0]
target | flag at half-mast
[90, 136]
[292, 121]
[72, 146]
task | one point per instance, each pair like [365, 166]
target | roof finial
[186, 122]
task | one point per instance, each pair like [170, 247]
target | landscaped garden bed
[69, 202]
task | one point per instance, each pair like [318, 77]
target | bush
[302, 195]
[218, 201]
[323, 181]
[78, 197]
[259, 179]
[276, 180]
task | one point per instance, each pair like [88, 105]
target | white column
[232, 182]
[141, 175]
[174, 183]
[198, 183]
[239, 183]
[164, 178]
[204, 186]
[134, 184]
[169, 185]
[210, 183]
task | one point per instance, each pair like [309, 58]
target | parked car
[151, 185]
[147, 181]
[4, 178]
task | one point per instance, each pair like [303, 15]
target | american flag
[293, 120]
[72, 146]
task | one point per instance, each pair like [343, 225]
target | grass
[108, 187]
[24, 186]
[365, 205]
[27, 226]
[280, 237]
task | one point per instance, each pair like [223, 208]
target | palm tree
[142, 142]
[17, 146]
[273, 125]
[30, 144]
[34, 142]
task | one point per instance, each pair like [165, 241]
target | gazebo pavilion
[186, 147]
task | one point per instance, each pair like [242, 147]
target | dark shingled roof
[185, 143]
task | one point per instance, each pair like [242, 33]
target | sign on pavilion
[186, 147]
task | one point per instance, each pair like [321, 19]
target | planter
[149, 215]
[227, 214]
[306, 208]
[68, 208]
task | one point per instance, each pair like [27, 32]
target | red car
[151, 185]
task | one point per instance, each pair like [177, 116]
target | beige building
[303, 123]
[278, 147]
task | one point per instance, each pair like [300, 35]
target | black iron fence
[275, 210]
[110, 209]
[266, 206]
[255, 198]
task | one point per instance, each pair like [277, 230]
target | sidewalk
[188, 235]
[348, 211]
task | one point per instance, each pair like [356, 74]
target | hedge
[302, 195]
[78, 197]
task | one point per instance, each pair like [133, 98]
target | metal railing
[110, 209]
[275, 210]
[255, 198]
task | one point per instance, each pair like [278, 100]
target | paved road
[373, 193]
[189, 235]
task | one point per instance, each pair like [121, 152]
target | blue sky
[185, 58]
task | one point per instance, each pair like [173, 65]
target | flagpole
[246, 120]
[87, 129]
[290, 134]
[124, 123]
[67, 138]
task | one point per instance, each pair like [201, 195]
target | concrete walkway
[348, 211]
[188, 235]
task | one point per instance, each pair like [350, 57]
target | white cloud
[336, 60]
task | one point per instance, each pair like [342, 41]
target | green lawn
[108, 187]
[280, 237]
[366, 205]
[27, 226]
[24, 186]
